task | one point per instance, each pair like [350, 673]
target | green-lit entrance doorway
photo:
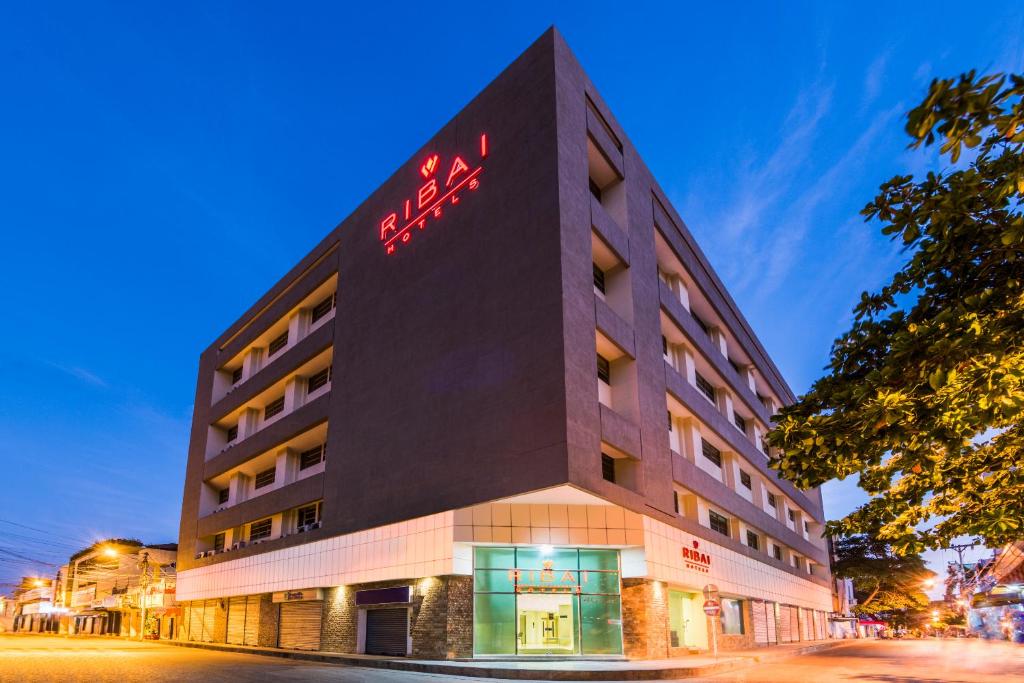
[546, 601]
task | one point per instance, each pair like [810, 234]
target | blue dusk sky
[151, 154]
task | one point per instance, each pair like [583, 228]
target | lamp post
[143, 584]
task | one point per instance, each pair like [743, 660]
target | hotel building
[504, 408]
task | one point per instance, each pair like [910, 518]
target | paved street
[49, 658]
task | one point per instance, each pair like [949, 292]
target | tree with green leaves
[883, 583]
[924, 392]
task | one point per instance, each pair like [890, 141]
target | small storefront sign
[712, 608]
[384, 596]
[297, 596]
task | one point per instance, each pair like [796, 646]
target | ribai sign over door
[442, 183]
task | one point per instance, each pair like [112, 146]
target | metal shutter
[785, 625]
[252, 620]
[299, 628]
[772, 610]
[236, 620]
[209, 615]
[387, 631]
[805, 617]
[760, 621]
[195, 621]
[794, 623]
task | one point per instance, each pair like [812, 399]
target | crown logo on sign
[429, 166]
[695, 544]
[548, 565]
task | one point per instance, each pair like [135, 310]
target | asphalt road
[55, 658]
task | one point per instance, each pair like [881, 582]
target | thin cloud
[81, 374]
[873, 80]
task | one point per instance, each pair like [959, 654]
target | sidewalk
[560, 670]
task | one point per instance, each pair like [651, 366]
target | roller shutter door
[760, 621]
[387, 631]
[299, 628]
[195, 621]
[252, 620]
[236, 620]
[786, 634]
[772, 610]
[808, 628]
[209, 615]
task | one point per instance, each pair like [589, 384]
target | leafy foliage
[883, 582]
[924, 393]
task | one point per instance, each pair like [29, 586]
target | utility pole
[960, 548]
[143, 585]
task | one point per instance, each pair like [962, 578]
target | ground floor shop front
[505, 580]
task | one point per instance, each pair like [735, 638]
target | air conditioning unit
[200, 555]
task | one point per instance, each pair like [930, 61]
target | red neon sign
[429, 200]
[695, 559]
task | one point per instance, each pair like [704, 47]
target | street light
[110, 552]
[38, 583]
[929, 584]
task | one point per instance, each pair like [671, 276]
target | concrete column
[689, 439]
[251, 363]
[284, 469]
[731, 470]
[248, 423]
[689, 367]
[269, 614]
[723, 400]
[294, 393]
[718, 337]
[238, 488]
[747, 375]
[298, 325]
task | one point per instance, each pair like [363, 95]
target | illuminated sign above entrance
[548, 579]
[695, 559]
[440, 189]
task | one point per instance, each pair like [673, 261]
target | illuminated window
[711, 453]
[260, 530]
[277, 344]
[732, 616]
[236, 376]
[705, 387]
[719, 523]
[311, 458]
[324, 307]
[265, 478]
[218, 543]
[318, 380]
[232, 433]
[745, 479]
[273, 408]
[222, 496]
[604, 369]
[752, 540]
[608, 468]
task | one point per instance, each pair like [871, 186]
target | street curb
[455, 669]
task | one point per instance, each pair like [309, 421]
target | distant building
[33, 606]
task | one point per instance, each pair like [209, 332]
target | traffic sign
[711, 592]
[712, 608]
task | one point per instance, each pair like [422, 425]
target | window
[752, 540]
[222, 496]
[736, 367]
[324, 307]
[277, 344]
[608, 468]
[595, 189]
[796, 561]
[598, 279]
[311, 458]
[604, 369]
[307, 515]
[232, 433]
[218, 543]
[719, 523]
[259, 530]
[711, 453]
[669, 413]
[675, 501]
[807, 528]
[706, 387]
[273, 408]
[777, 552]
[236, 376]
[745, 479]
[732, 616]
[740, 422]
[664, 345]
[318, 380]
[265, 478]
[792, 515]
[773, 502]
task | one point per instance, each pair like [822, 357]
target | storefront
[546, 601]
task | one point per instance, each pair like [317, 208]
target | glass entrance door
[547, 624]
